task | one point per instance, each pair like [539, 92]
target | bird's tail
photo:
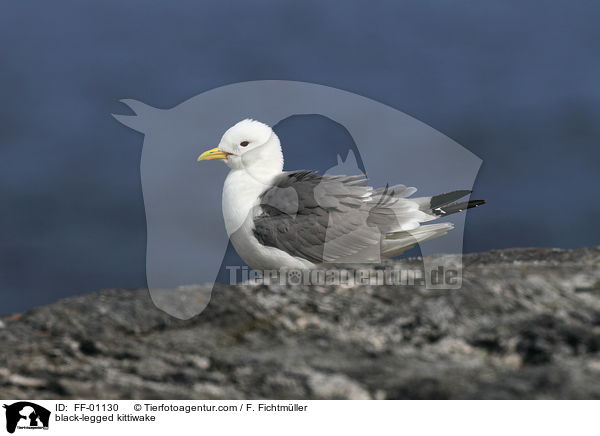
[396, 243]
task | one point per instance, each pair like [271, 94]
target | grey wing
[327, 218]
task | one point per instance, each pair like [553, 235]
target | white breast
[240, 196]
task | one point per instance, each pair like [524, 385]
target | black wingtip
[447, 198]
[449, 209]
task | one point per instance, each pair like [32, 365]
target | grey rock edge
[526, 324]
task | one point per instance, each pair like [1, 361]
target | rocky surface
[526, 324]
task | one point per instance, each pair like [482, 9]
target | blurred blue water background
[517, 83]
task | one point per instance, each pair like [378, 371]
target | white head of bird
[251, 146]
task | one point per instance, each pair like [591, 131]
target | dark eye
[244, 144]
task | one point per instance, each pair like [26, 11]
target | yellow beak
[213, 153]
